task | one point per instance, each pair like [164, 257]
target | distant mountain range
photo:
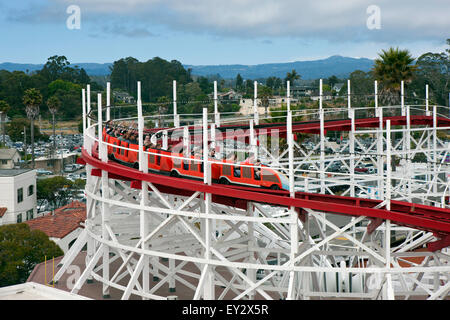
[324, 68]
[92, 69]
[334, 65]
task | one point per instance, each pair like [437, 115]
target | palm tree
[393, 66]
[265, 94]
[32, 99]
[4, 108]
[292, 76]
[53, 104]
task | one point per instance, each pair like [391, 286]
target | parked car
[361, 169]
[70, 168]
[335, 167]
[43, 172]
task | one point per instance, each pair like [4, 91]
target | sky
[214, 32]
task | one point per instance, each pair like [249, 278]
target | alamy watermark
[75, 274]
[73, 22]
[374, 19]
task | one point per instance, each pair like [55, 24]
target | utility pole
[62, 156]
[3, 127]
[25, 143]
[54, 141]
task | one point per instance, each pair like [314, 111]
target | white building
[247, 106]
[17, 195]
[36, 291]
[9, 158]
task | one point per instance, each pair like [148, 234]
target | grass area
[68, 127]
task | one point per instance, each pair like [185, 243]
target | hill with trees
[56, 78]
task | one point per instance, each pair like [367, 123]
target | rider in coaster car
[212, 153]
[147, 142]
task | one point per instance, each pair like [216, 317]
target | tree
[433, 69]
[205, 85]
[239, 82]
[265, 93]
[15, 130]
[291, 77]
[274, 83]
[332, 81]
[163, 106]
[32, 99]
[69, 95]
[20, 250]
[270, 82]
[249, 89]
[55, 190]
[393, 66]
[156, 76]
[4, 108]
[55, 67]
[361, 85]
[53, 104]
[58, 67]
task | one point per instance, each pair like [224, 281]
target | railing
[302, 177]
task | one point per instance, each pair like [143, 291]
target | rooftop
[64, 220]
[12, 172]
[8, 154]
[36, 291]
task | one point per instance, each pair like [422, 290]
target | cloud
[36, 13]
[123, 30]
[331, 20]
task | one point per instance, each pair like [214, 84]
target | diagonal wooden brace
[374, 224]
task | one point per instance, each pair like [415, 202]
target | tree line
[56, 79]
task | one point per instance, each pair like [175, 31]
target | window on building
[4, 161]
[30, 214]
[30, 190]
[19, 195]
[19, 218]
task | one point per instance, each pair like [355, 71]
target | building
[275, 102]
[17, 196]
[57, 163]
[64, 225]
[123, 97]
[247, 106]
[301, 91]
[278, 101]
[326, 95]
[9, 158]
[36, 291]
[338, 87]
[230, 95]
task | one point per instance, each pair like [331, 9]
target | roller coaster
[228, 206]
